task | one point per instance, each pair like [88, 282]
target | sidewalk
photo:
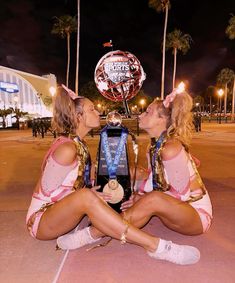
[23, 259]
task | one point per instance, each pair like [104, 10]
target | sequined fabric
[159, 182]
[84, 160]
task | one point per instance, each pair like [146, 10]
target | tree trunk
[3, 122]
[68, 59]
[78, 45]
[210, 105]
[233, 100]
[174, 71]
[225, 100]
[164, 53]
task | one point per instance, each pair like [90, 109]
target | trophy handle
[135, 150]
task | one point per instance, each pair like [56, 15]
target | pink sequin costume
[55, 183]
[179, 173]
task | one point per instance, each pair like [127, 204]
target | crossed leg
[175, 214]
[64, 215]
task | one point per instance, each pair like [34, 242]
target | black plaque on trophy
[123, 179]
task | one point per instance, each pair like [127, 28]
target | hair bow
[169, 98]
[71, 93]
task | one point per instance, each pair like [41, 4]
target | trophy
[119, 77]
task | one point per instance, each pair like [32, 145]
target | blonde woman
[174, 191]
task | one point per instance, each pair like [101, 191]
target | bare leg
[64, 215]
[175, 214]
[67, 213]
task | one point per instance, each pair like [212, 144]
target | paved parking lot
[23, 259]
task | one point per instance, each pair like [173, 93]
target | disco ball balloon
[114, 119]
[119, 75]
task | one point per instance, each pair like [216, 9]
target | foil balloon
[119, 75]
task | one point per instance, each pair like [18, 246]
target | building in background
[27, 92]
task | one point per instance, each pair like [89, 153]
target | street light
[52, 90]
[142, 103]
[99, 106]
[220, 94]
[181, 87]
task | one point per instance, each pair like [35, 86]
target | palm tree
[230, 31]
[161, 6]
[78, 45]
[199, 103]
[18, 114]
[178, 42]
[225, 77]
[3, 114]
[63, 27]
[209, 95]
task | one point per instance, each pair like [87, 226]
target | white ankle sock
[76, 239]
[179, 254]
[161, 246]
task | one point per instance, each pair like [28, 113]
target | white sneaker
[179, 254]
[75, 240]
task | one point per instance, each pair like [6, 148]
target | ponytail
[178, 116]
[181, 117]
[65, 112]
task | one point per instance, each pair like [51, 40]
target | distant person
[197, 121]
[34, 128]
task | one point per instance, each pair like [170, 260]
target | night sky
[26, 42]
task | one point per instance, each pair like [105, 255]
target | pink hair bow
[71, 93]
[169, 98]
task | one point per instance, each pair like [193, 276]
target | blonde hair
[65, 112]
[179, 117]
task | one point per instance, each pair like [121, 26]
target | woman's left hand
[133, 199]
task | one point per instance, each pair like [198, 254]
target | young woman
[174, 190]
[61, 197]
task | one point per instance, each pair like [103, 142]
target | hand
[103, 196]
[133, 199]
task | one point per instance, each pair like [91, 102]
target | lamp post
[220, 94]
[142, 103]
[16, 99]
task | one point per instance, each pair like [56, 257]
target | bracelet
[124, 234]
